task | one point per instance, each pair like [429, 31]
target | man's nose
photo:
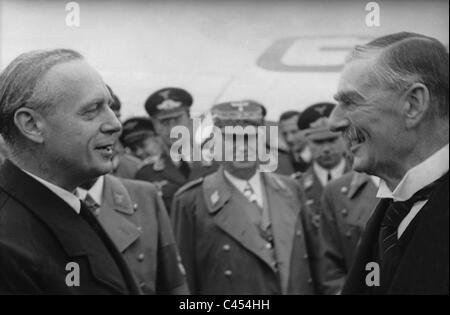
[289, 138]
[139, 152]
[338, 121]
[112, 123]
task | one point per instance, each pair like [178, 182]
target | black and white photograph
[224, 152]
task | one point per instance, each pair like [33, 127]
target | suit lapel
[75, 235]
[115, 208]
[229, 215]
[284, 215]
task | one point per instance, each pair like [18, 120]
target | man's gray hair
[18, 84]
[403, 59]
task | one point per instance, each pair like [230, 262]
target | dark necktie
[394, 215]
[91, 204]
[329, 177]
[184, 169]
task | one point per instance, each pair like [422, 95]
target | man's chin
[244, 165]
[359, 164]
[102, 168]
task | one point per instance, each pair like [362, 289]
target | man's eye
[91, 110]
[346, 102]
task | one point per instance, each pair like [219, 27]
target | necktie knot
[329, 176]
[394, 215]
[90, 203]
[250, 193]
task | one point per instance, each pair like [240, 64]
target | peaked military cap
[167, 102]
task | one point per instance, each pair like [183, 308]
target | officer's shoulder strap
[189, 185]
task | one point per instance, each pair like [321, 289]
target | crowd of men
[90, 204]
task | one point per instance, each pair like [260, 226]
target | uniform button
[268, 245]
[309, 202]
[298, 233]
[135, 206]
[97, 212]
[139, 228]
[141, 257]
[344, 189]
[226, 247]
[305, 256]
[348, 234]
[309, 281]
[344, 212]
[228, 273]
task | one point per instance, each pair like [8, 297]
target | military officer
[347, 204]
[168, 108]
[140, 139]
[299, 154]
[328, 154]
[135, 218]
[241, 230]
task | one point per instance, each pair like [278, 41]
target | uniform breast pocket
[356, 222]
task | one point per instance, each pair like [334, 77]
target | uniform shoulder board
[189, 185]
[297, 175]
[279, 182]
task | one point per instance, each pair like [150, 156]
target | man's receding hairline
[376, 53]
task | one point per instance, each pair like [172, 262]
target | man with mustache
[60, 131]
[393, 103]
[240, 230]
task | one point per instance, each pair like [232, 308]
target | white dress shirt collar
[65, 195]
[336, 172]
[96, 191]
[418, 177]
[255, 183]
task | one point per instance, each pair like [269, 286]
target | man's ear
[416, 104]
[28, 121]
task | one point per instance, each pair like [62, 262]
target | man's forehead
[76, 79]
[354, 80]
[290, 122]
[174, 114]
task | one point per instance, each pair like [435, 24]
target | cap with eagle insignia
[314, 121]
[136, 129]
[238, 113]
[168, 102]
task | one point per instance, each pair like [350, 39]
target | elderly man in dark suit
[393, 112]
[56, 120]
[240, 230]
[134, 216]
